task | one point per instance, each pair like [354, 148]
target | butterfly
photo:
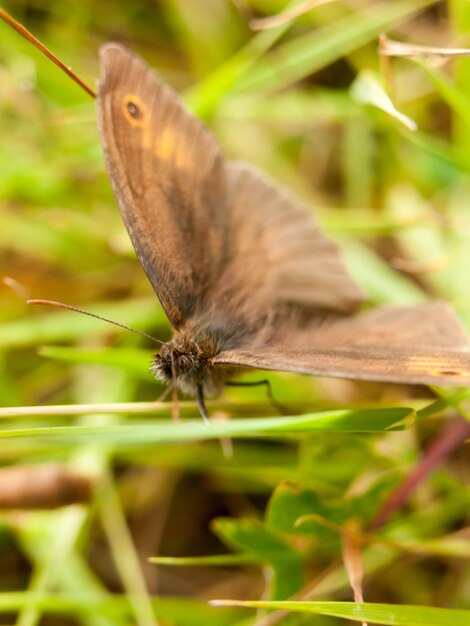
[241, 267]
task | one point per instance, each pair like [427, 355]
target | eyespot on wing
[135, 110]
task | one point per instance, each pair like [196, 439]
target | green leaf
[289, 503]
[253, 537]
[266, 546]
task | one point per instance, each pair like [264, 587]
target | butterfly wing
[432, 348]
[168, 177]
[276, 253]
[431, 325]
[394, 365]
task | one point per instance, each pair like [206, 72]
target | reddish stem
[451, 437]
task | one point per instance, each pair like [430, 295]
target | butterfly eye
[182, 363]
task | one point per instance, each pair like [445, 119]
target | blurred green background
[307, 101]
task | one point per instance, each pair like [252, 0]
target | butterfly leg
[175, 407]
[164, 396]
[175, 411]
[201, 404]
[282, 410]
[225, 442]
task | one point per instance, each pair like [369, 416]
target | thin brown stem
[24, 32]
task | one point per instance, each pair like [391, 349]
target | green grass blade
[124, 553]
[204, 561]
[390, 614]
[352, 421]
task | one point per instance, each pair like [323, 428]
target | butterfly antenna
[24, 32]
[61, 305]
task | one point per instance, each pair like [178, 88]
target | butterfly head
[186, 361]
[175, 360]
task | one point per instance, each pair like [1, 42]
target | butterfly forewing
[168, 177]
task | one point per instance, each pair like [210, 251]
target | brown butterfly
[242, 269]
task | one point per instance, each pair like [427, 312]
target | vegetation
[305, 501]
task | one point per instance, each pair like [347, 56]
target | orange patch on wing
[166, 147]
[173, 146]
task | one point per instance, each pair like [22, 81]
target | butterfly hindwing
[423, 344]
[393, 365]
[276, 252]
